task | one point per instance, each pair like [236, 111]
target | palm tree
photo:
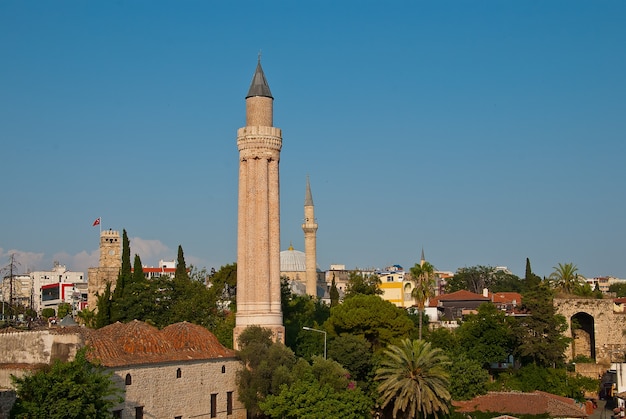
[565, 277]
[414, 380]
[424, 279]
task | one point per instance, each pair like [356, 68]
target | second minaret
[310, 242]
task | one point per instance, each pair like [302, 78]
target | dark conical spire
[308, 197]
[259, 86]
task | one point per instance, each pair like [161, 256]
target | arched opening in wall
[583, 335]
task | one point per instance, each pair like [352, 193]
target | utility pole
[11, 267]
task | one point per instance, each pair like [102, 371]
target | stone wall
[168, 390]
[608, 327]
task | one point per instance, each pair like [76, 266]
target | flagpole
[100, 225]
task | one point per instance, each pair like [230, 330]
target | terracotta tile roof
[506, 297]
[522, 404]
[136, 342]
[462, 295]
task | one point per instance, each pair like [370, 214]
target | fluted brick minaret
[258, 236]
[310, 239]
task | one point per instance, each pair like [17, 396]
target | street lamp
[319, 331]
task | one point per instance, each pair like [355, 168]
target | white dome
[292, 261]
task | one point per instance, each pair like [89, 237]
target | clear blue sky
[484, 132]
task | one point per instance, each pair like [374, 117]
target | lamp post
[319, 331]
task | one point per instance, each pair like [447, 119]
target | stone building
[181, 371]
[108, 269]
[258, 224]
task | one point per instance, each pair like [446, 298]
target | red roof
[462, 295]
[516, 403]
[506, 297]
[137, 342]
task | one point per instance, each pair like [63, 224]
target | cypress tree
[125, 275]
[138, 276]
[103, 315]
[531, 281]
[125, 255]
[334, 293]
[181, 267]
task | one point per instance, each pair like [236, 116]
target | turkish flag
[97, 222]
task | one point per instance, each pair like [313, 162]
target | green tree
[369, 316]
[64, 309]
[539, 335]
[103, 313]
[444, 339]
[474, 279]
[267, 366]
[486, 336]
[125, 274]
[531, 281]
[88, 317]
[321, 390]
[618, 289]
[423, 277]
[506, 282]
[47, 312]
[299, 311]
[354, 353]
[224, 285]
[136, 301]
[359, 284]
[76, 389]
[334, 293]
[414, 380]
[468, 378]
[565, 277]
[181, 267]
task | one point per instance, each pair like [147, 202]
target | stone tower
[310, 239]
[258, 225]
[108, 268]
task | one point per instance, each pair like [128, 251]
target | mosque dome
[292, 260]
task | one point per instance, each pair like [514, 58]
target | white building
[18, 289]
[59, 285]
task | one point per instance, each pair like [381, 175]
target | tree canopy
[321, 390]
[359, 284]
[369, 316]
[63, 390]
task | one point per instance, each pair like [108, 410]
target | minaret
[310, 239]
[258, 227]
[423, 259]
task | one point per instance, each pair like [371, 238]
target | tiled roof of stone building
[515, 403]
[136, 342]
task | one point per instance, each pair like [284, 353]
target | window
[117, 414]
[179, 373]
[139, 412]
[178, 417]
[213, 405]
[223, 369]
[229, 403]
[129, 380]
